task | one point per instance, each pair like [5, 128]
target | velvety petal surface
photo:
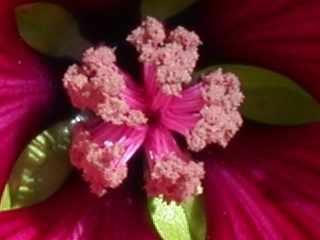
[26, 91]
[76, 214]
[265, 185]
[282, 35]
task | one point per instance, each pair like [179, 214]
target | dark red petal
[265, 185]
[283, 35]
[26, 91]
[75, 213]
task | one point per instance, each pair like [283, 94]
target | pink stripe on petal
[74, 214]
[260, 187]
[26, 91]
[283, 36]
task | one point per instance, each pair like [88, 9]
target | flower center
[129, 116]
[153, 117]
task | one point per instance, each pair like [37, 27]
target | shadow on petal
[283, 36]
[265, 185]
[75, 213]
[26, 91]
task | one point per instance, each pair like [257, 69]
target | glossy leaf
[163, 9]
[5, 202]
[50, 29]
[41, 169]
[169, 219]
[178, 222]
[272, 98]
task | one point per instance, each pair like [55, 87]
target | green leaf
[178, 222]
[272, 98]
[163, 9]
[169, 219]
[5, 202]
[50, 29]
[41, 169]
[196, 217]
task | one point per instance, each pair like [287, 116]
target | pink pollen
[150, 33]
[220, 119]
[175, 56]
[205, 113]
[100, 56]
[171, 172]
[97, 163]
[184, 37]
[175, 67]
[99, 85]
[174, 178]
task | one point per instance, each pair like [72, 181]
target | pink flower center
[131, 115]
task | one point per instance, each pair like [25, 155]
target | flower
[262, 186]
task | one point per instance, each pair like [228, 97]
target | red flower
[263, 186]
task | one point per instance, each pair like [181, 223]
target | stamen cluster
[220, 119]
[175, 55]
[132, 114]
[99, 85]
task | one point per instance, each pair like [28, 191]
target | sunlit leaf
[5, 202]
[178, 222]
[41, 169]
